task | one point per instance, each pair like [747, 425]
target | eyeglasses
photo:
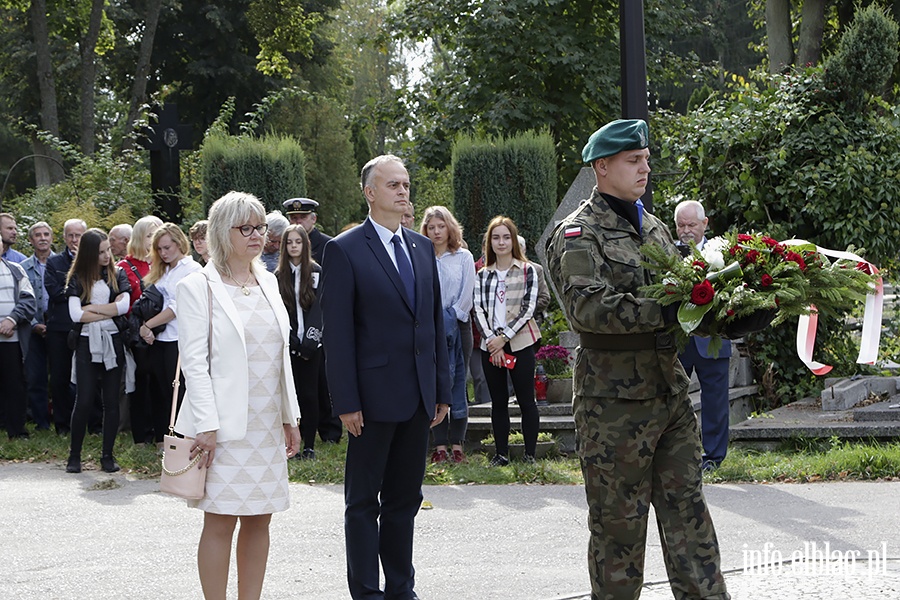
[247, 230]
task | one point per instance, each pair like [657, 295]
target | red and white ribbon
[871, 324]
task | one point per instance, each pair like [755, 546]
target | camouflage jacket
[594, 261]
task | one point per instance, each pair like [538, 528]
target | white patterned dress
[250, 476]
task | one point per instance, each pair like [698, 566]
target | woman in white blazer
[239, 397]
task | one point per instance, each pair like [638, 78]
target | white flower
[713, 256]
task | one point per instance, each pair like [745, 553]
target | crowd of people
[130, 388]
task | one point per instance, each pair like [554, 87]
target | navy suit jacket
[382, 356]
[58, 265]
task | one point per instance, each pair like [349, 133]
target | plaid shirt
[521, 300]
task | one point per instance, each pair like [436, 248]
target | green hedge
[273, 168]
[513, 176]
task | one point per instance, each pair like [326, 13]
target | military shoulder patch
[573, 231]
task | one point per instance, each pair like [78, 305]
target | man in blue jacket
[389, 377]
[41, 236]
[712, 371]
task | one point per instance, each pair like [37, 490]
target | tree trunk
[46, 172]
[812, 27]
[89, 75]
[139, 87]
[778, 31]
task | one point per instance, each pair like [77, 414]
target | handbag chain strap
[184, 469]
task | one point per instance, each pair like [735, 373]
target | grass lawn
[797, 461]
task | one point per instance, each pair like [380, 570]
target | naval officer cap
[300, 206]
[615, 137]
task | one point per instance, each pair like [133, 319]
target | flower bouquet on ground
[554, 358]
[740, 283]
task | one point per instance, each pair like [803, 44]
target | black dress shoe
[74, 465]
[109, 464]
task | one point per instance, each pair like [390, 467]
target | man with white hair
[712, 372]
[277, 223]
[41, 236]
[59, 323]
[119, 236]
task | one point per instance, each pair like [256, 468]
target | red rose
[796, 258]
[864, 267]
[766, 280]
[752, 256]
[729, 312]
[699, 263]
[778, 249]
[733, 250]
[768, 241]
[702, 293]
[743, 237]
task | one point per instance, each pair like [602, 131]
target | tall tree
[778, 32]
[88, 49]
[46, 172]
[142, 71]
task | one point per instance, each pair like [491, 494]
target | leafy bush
[103, 188]
[790, 156]
[513, 176]
[272, 168]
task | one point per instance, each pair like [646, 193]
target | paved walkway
[97, 536]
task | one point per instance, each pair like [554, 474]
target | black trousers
[382, 494]
[61, 390]
[92, 377]
[163, 360]
[12, 388]
[36, 381]
[522, 376]
[141, 419]
[306, 382]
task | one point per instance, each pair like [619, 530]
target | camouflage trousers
[635, 453]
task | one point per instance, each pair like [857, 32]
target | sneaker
[439, 456]
[307, 454]
[459, 457]
[499, 461]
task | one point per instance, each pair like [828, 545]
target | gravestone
[164, 139]
[579, 191]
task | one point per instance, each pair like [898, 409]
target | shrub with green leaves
[104, 189]
[513, 176]
[272, 168]
[791, 156]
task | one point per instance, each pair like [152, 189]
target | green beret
[615, 137]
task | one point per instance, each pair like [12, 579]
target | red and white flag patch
[571, 232]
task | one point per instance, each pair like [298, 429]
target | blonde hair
[157, 266]
[137, 247]
[454, 229]
[232, 209]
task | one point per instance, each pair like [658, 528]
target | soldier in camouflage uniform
[638, 439]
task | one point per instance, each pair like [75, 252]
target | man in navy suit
[712, 372]
[389, 377]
